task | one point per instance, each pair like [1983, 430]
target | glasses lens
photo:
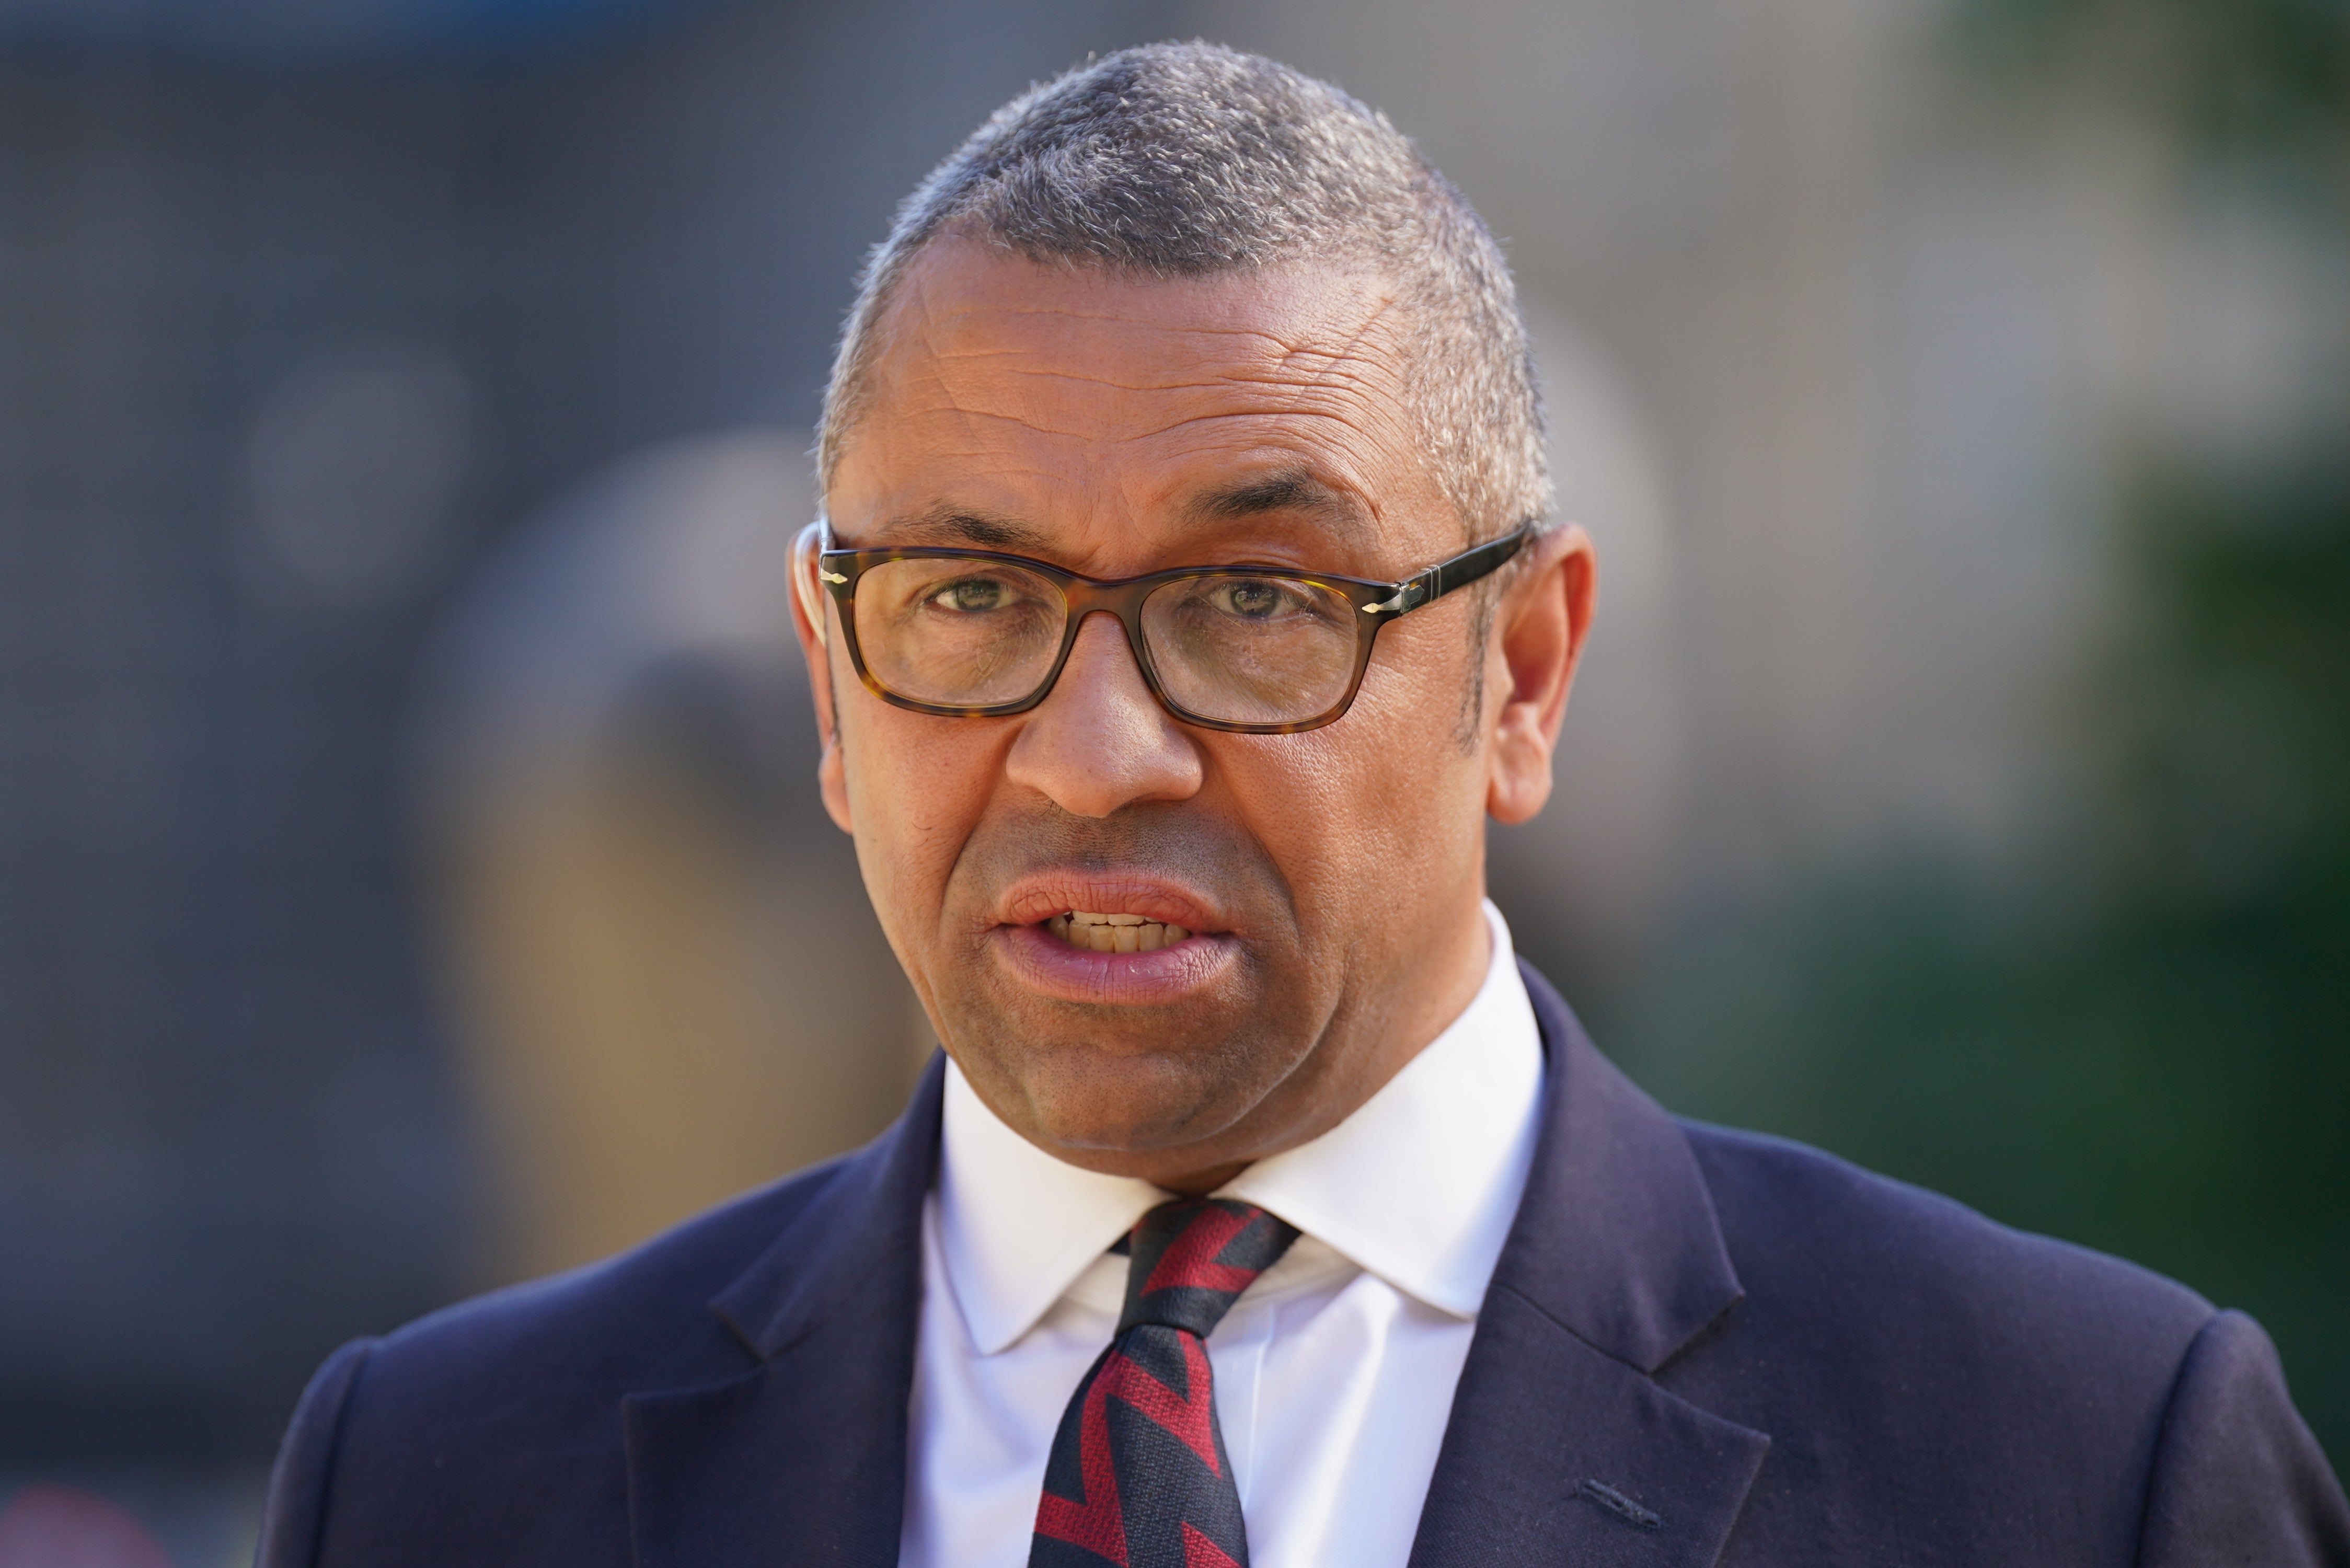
[958, 632]
[1251, 650]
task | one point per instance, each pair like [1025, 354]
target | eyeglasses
[974, 634]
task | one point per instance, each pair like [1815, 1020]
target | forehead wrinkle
[1365, 387]
[1288, 394]
[947, 313]
[1358, 374]
[1298, 376]
[946, 334]
[1301, 406]
[1021, 307]
[1105, 380]
[1387, 306]
[1288, 417]
[1360, 360]
[1262, 348]
[1121, 372]
[1345, 378]
[1269, 358]
[1359, 368]
[1020, 421]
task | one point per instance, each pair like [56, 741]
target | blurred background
[412, 876]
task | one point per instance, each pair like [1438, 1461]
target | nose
[1100, 741]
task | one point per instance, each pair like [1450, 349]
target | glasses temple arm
[1426, 587]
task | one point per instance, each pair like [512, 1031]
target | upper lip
[1042, 895]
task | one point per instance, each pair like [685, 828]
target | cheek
[1411, 707]
[908, 840]
[1380, 812]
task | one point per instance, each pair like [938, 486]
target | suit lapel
[1562, 1447]
[801, 1461]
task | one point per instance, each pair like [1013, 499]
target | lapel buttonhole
[1616, 1503]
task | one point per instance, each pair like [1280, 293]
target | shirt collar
[1418, 1187]
[1016, 1227]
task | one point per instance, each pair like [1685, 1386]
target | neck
[1199, 1184]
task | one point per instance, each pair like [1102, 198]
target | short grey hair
[1183, 160]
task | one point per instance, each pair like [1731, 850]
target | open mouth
[1092, 932]
[1128, 950]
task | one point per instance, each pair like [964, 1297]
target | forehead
[1098, 410]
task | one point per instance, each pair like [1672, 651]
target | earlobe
[1518, 783]
[1538, 645]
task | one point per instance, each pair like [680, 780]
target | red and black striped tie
[1137, 1475]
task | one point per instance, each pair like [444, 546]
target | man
[1188, 600]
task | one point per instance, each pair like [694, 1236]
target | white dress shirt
[1334, 1373]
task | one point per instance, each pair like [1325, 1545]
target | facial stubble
[1125, 1078]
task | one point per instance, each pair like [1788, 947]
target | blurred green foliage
[2233, 75]
[2144, 1045]
[2141, 1040]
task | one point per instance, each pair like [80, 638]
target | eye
[1249, 598]
[970, 596]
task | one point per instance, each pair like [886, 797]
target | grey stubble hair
[1179, 161]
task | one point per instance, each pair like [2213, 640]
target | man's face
[1329, 880]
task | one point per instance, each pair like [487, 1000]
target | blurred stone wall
[226, 1136]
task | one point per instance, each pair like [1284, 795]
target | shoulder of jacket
[628, 1320]
[1910, 1261]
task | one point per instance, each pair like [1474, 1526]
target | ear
[1538, 634]
[811, 622]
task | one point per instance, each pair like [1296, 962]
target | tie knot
[1192, 1258]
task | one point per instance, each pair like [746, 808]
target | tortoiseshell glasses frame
[1376, 604]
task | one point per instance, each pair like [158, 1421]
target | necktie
[1137, 1475]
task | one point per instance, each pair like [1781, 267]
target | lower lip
[1047, 964]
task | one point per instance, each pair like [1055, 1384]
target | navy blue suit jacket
[1700, 1346]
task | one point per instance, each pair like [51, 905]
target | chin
[1099, 1103]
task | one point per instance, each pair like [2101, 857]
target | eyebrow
[946, 524]
[1288, 489]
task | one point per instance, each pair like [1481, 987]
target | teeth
[1114, 933]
